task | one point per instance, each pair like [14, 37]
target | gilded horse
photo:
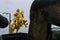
[13, 25]
[18, 21]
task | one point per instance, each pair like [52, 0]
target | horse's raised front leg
[24, 21]
[26, 24]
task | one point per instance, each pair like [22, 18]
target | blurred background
[10, 6]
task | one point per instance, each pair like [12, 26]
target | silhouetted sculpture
[43, 13]
[3, 21]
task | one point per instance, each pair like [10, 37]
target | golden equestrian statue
[17, 22]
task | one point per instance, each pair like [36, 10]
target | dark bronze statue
[43, 13]
[3, 21]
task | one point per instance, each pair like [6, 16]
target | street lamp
[9, 18]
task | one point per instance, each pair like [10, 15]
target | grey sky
[10, 6]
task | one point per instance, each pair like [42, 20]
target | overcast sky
[10, 6]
